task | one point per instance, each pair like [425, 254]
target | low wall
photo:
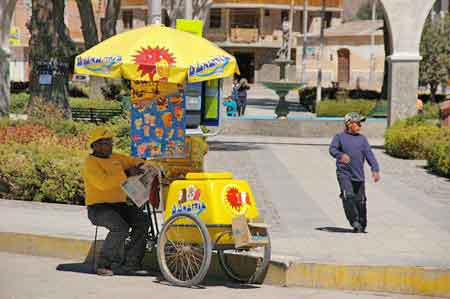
[373, 128]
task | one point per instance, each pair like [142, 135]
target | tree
[88, 26]
[174, 10]
[50, 55]
[108, 26]
[90, 34]
[6, 12]
[365, 11]
[435, 52]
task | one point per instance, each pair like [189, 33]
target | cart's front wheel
[184, 250]
[246, 265]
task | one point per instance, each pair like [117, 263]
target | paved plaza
[293, 180]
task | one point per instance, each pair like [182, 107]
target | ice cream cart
[201, 211]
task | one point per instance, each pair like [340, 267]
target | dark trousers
[118, 219]
[242, 104]
[353, 195]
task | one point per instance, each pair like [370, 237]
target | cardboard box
[248, 234]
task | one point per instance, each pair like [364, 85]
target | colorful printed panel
[158, 128]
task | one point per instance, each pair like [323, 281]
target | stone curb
[393, 279]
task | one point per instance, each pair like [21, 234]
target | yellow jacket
[102, 178]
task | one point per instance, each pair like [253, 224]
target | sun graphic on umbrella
[154, 62]
[236, 200]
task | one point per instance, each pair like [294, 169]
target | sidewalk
[406, 248]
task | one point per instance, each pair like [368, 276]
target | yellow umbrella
[159, 54]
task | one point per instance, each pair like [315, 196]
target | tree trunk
[90, 36]
[88, 26]
[174, 10]
[6, 11]
[50, 53]
[387, 53]
[433, 90]
[201, 10]
[108, 26]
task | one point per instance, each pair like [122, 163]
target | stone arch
[405, 20]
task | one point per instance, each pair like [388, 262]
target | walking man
[351, 150]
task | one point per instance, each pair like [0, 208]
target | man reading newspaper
[104, 172]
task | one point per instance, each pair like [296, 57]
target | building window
[215, 18]
[127, 19]
[267, 12]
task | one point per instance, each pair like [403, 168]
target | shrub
[19, 102]
[114, 90]
[426, 98]
[330, 108]
[438, 153]
[364, 94]
[77, 91]
[93, 103]
[41, 160]
[121, 128]
[42, 171]
[410, 139]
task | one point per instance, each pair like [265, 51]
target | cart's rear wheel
[245, 265]
[184, 250]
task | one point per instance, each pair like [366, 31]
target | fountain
[282, 86]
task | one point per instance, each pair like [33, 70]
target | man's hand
[376, 176]
[134, 170]
[345, 159]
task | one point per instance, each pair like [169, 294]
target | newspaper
[138, 187]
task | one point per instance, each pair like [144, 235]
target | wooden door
[343, 67]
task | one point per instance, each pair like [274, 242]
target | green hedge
[42, 172]
[19, 103]
[41, 159]
[409, 139]
[333, 108]
[420, 138]
[93, 103]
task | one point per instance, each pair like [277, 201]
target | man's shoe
[104, 272]
[357, 227]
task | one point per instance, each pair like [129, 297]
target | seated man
[103, 173]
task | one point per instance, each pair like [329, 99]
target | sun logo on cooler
[154, 62]
[236, 200]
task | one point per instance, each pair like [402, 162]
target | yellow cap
[99, 133]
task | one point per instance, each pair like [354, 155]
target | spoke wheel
[245, 265]
[184, 250]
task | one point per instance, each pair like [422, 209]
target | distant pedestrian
[351, 150]
[242, 96]
[234, 90]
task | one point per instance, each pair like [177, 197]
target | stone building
[349, 56]
[251, 30]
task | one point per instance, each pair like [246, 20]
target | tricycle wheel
[184, 250]
[247, 265]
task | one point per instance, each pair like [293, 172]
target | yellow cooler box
[215, 198]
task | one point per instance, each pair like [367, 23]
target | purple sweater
[358, 149]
